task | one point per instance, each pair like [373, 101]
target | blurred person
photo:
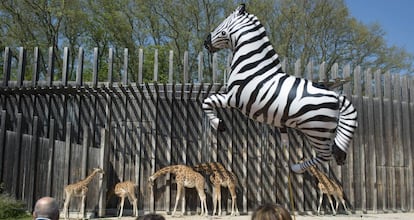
[151, 216]
[46, 208]
[271, 212]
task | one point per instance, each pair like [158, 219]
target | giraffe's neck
[89, 178]
[170, 169]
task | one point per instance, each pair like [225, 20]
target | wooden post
[51, 66]
[35, 76]
[104, 163]
[110, 66]
[200, 67]
[125, 76]
[7, 66]
[95, 66]
[171, 67]
[21, 67]
[140, 65]
[79, 70]
[185, 68]
[51, 149]
[65, 66]
[156, 65]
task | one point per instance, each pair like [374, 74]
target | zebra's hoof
[340, 155]
[221, 127]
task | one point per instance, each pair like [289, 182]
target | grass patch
[11, 208]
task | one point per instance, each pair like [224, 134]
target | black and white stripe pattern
[259, 88]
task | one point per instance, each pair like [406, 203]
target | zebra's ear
[242, 9]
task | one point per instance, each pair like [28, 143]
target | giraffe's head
[224, 35]
[98, 171]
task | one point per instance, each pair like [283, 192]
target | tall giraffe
[79, 189]
[219, 177]
[185, 176]
[127, 189]
[329, 187]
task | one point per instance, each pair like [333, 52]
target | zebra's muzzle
[208, 45]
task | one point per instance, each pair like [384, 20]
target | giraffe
[185, 176]
[219, 177]
[126, 189]
[79, 189]
[328, 187]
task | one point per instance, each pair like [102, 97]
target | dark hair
[271, 212]
[151, 216]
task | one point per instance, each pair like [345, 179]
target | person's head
[271, 212]
[46, 208]
[151, 216]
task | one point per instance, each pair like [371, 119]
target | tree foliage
[312, 31]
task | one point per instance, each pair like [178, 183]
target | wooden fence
[53, 132]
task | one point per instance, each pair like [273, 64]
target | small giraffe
[185, 176]
[79, 189]
[126, 189]
[219, 177]
[328, 187]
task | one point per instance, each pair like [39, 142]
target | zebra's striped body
[259, 88]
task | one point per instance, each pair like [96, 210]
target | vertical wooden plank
[214, 72]
[35, 76]
[67, 158]
[379, 142]
[334, 71]
[185, 68]
[32, 164]
[370, 150]
[125, 75]
[200, 67]
[309, 71]
[322, 72]
[103, 161]
[7, 66]
[21, 68]
[95, 64]
[85, 146]
[298, 68]
[171, 67]
[388, 143]
[15, 189]
[110, 66]
[359, 153]
[347, 90]
[406, 143]
[65, 66]
[156, 65]
[399, 158]
[140, 64]
[79, 69]
[51, 149]
[2, 142]
[51, 66]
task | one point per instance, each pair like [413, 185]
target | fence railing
[54, 131]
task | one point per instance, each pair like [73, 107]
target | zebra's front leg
[209, 107]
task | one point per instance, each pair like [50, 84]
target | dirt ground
[362, 216]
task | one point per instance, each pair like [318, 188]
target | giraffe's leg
[82, 212]
[133, 201]
[214, 200]
[234, 209]
[65, 206]
[121, 206]
[203, 201]
[331, 202]
[219, 199]
[179, 189]
[343, 203]
[320, 202]
[209, 107]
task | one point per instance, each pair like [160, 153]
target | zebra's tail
[347, 124]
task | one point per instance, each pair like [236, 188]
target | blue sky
[396, 17]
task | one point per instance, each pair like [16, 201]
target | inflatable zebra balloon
[259, 88]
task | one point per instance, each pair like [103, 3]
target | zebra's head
[221, 37]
